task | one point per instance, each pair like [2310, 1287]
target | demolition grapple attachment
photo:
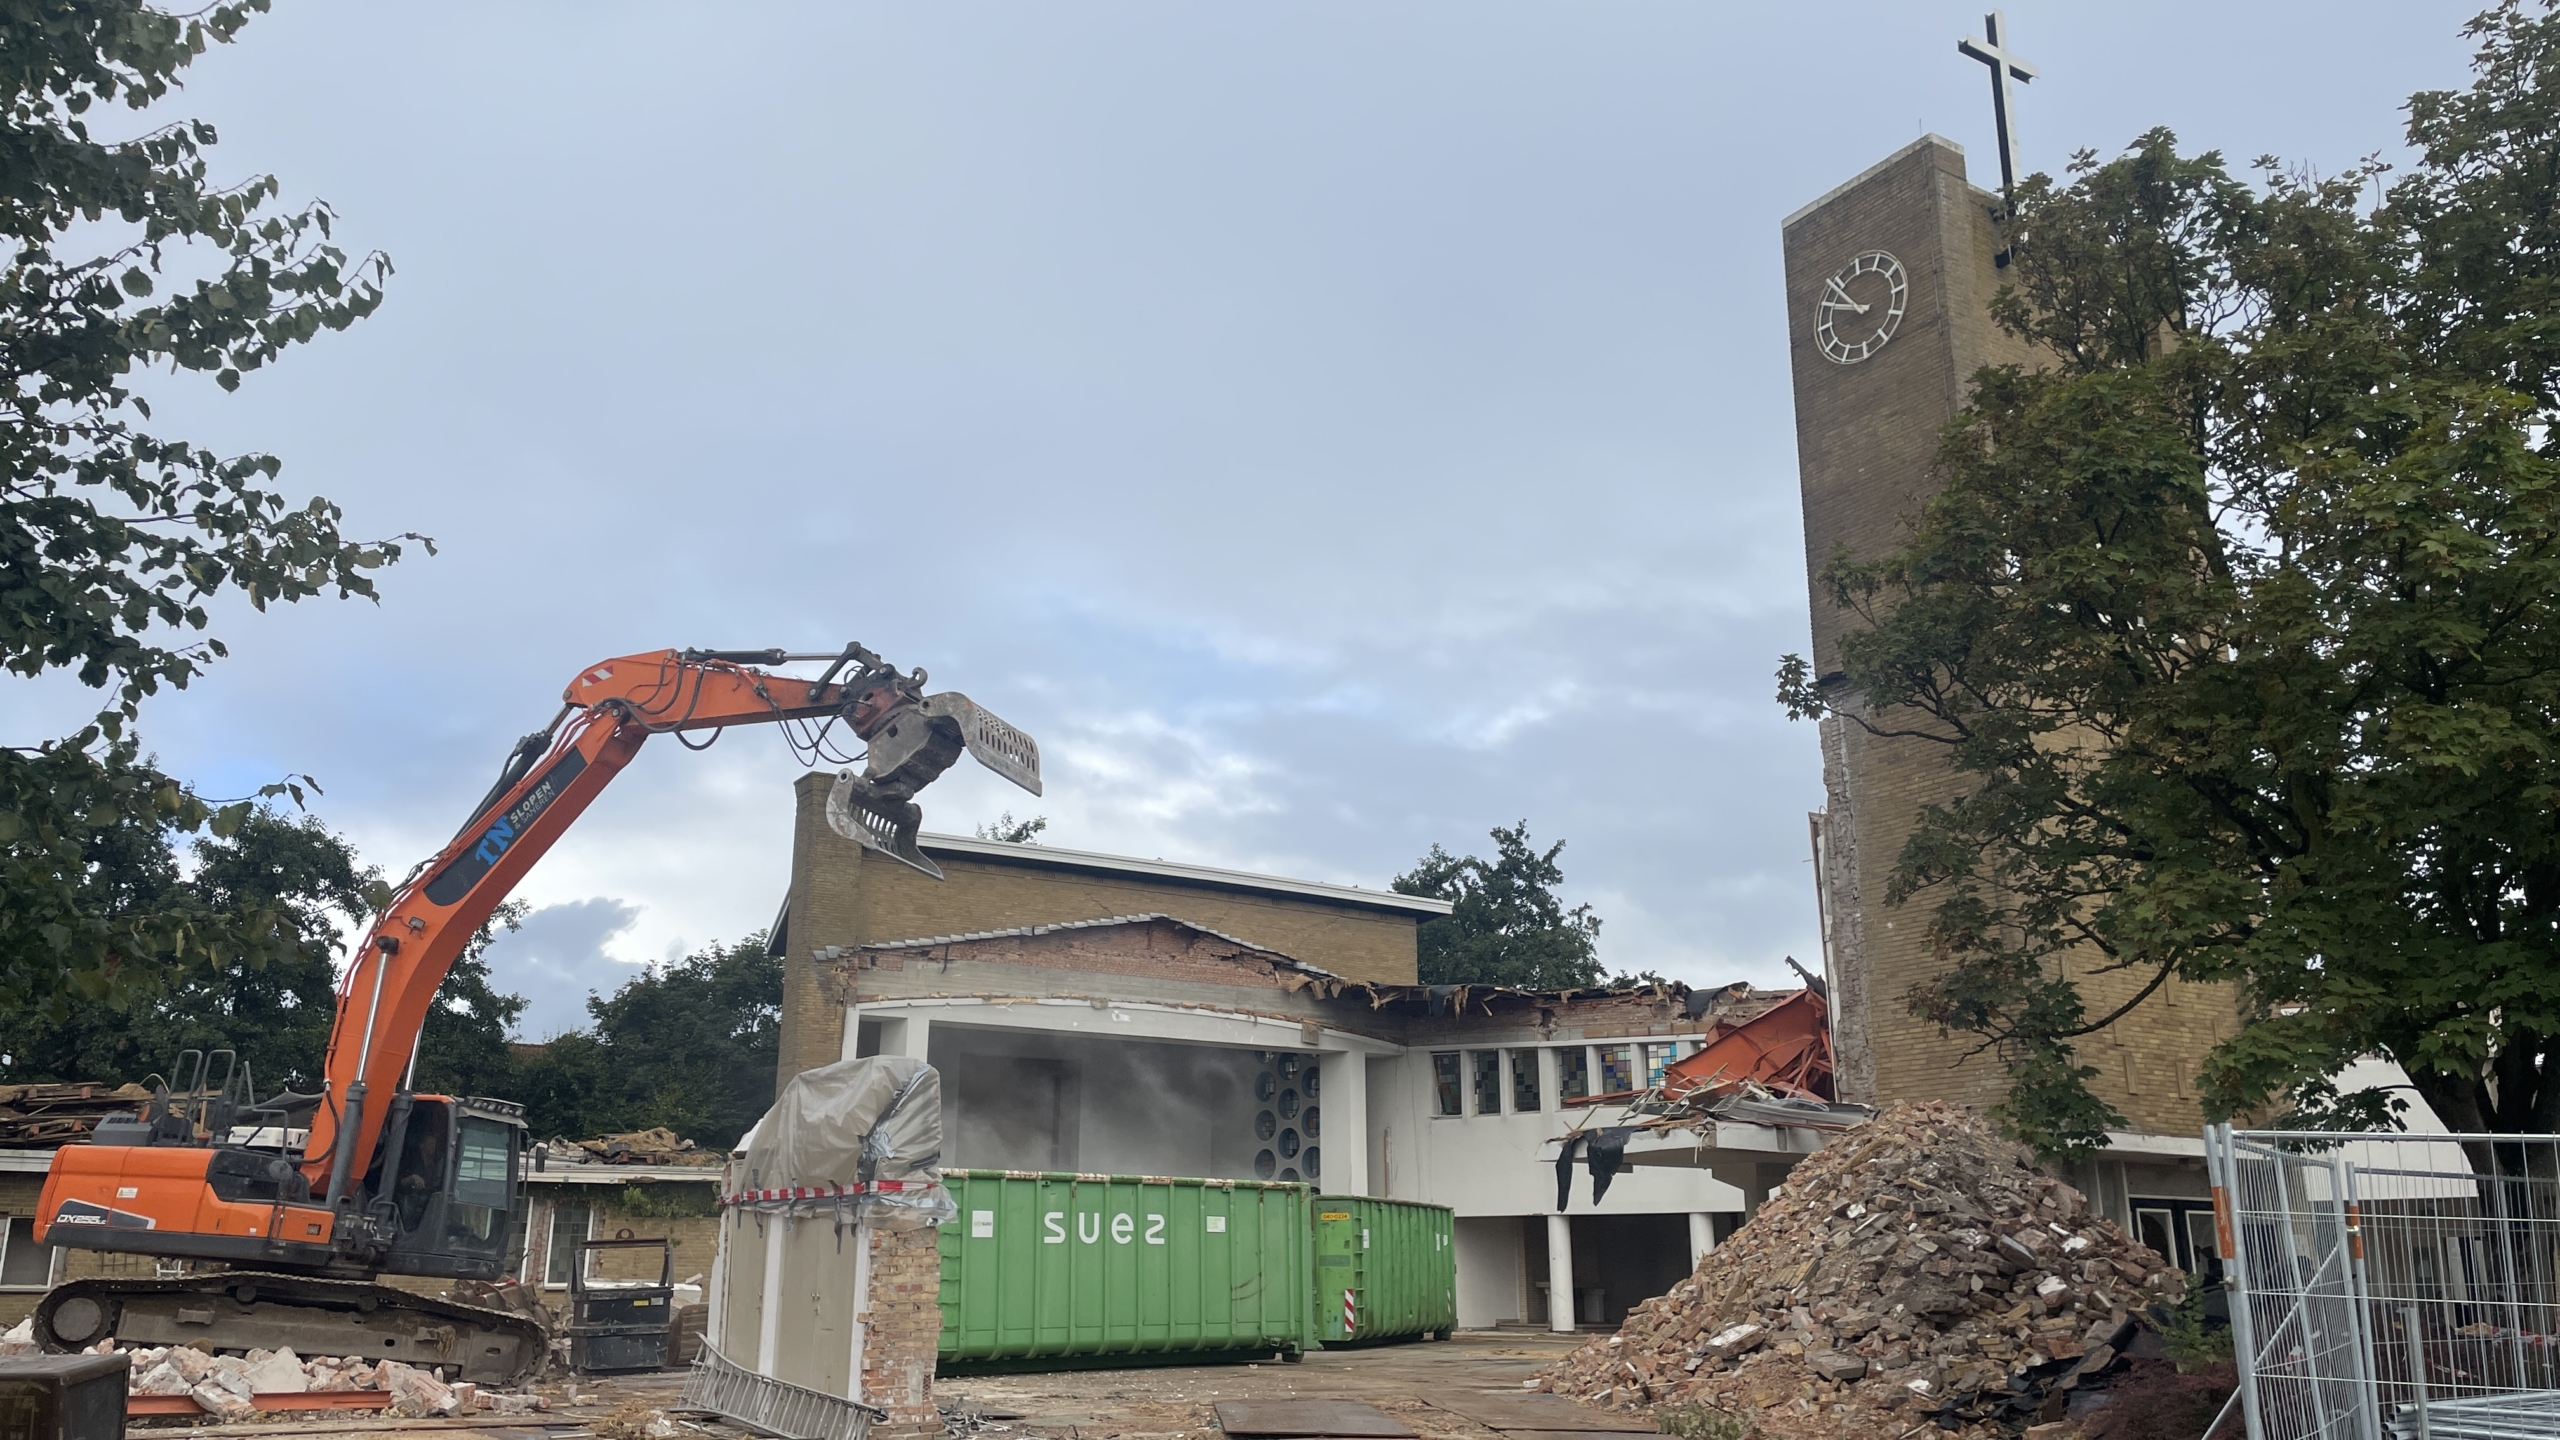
[914, 737]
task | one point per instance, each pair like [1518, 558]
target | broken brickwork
[1917, 1267]
[903, 1329]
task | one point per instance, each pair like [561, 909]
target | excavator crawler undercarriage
[246, 1309]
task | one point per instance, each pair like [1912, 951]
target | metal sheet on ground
[1536, 1410]
[1305, 1418]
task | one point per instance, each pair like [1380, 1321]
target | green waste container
[1385, 1270]
[1049, 1267]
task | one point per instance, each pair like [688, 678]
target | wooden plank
[162, 1405]
[1537, 1410]
[1296, 1418]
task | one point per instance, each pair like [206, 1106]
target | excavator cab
[455, 1183]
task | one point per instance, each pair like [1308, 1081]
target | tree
[275, 1015]
[1508, 928]
[2237, 619]
[692, 1046]
[1014, 832]
[115, 541]
[462, 1049]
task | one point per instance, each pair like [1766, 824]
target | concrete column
[1702, 1237]
[777, 1238]
[902, 1032]
[1560, 1274]
[860, 1326]
[717, 1293]
[1344, 1098]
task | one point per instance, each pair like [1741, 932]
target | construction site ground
[1154, 1401]
[1173, 1401]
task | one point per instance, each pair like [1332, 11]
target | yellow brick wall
[843, 897]
[1865, 436]
[696, 1238]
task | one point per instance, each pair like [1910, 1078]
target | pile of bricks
[1917, 1268]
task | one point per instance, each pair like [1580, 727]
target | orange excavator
[303, 1200]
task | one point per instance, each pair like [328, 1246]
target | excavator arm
[423, 1184]
[554, 774]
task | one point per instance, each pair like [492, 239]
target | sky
[1330, 429]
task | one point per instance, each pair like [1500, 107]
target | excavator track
[246, 1309]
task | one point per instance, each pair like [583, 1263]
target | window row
[1493, 1082]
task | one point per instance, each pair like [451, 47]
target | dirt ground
[1175, 1400]
[1158, 1401]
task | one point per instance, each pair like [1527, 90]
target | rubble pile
[222, 1385]
[659, 1146]
[1916, 1268]
[44, 1115]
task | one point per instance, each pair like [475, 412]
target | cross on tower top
[2005, 67]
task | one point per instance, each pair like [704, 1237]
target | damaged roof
[1023, 931]
[1059, 857]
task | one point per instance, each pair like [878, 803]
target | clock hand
[1844, 300]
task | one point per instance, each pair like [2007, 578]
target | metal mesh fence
[2392, 1285]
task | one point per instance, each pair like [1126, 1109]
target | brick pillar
[826, 902]
[905, 1331]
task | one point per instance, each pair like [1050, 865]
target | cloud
[557, 958]
[1315, 481]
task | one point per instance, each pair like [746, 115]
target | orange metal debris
[1786, 1048]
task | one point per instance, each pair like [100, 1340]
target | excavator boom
[385, 1179]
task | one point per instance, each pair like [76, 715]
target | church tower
[1890, 279]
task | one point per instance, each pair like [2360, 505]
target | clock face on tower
[1859, 308]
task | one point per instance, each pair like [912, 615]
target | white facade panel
[1489, 1273]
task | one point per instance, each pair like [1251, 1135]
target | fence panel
[2387, 1286]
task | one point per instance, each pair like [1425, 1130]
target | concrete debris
[223, 1403]
[228, 1387]
[1917, 1269]
[659, 1146]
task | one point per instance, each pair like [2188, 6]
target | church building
[1107, 1014]
[1890, 278]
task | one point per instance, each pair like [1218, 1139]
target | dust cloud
[1041, 1100]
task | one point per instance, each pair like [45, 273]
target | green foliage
[2192, 1344]
[1014, 832]
[2239, 617]
[1508, 928]
[275, 1014]
[692, 1046]
[462, 1050]
[114, 541]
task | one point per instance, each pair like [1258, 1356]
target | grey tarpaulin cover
[871, 1127]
